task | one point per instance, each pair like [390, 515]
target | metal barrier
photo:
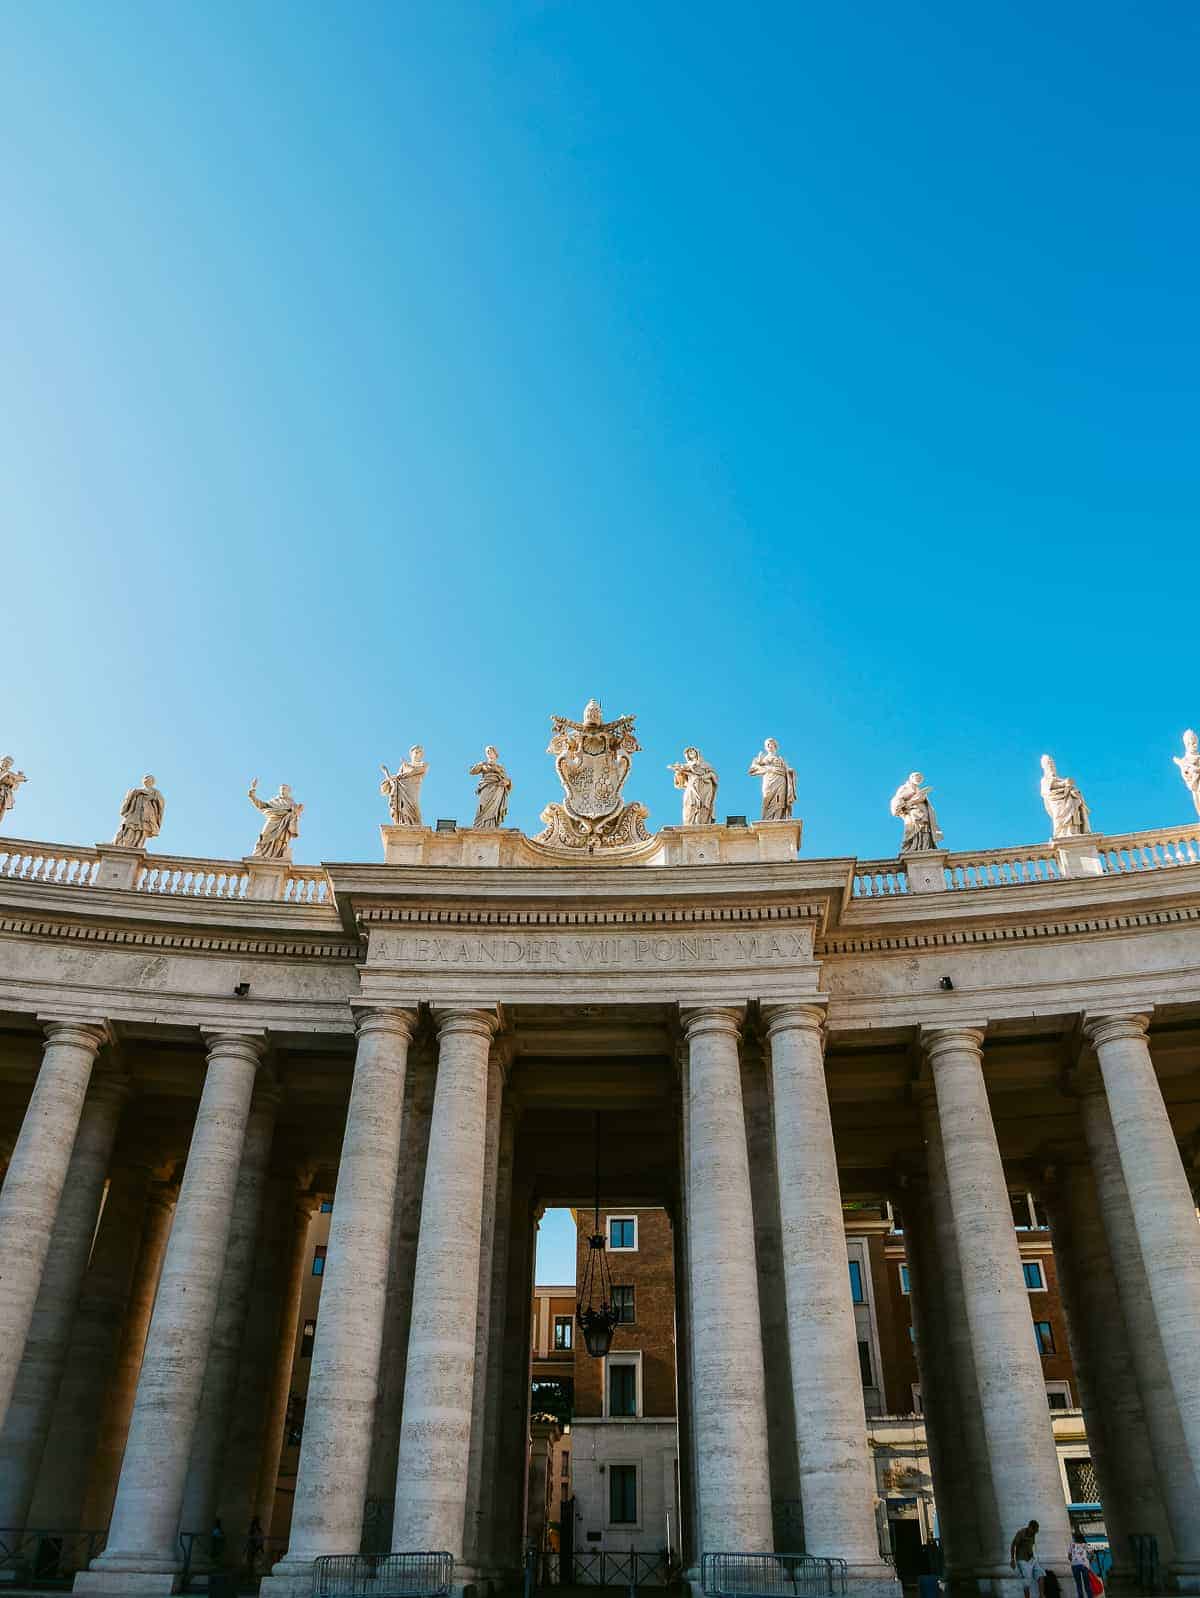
[425, 1575]
[1146, 1573]
[596, 1567]
[46, 1558]
[771, 1576]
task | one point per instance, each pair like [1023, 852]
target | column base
[1003, 1582]
[291, 1578]
[128, 1583]
[872, 1581]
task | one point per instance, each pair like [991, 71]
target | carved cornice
[1020, 932]
[668, 915]
[189, 942]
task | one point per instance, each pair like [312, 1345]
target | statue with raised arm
[910, 803]
[10, 781]
[402, 788]
[281, 823]
[699, 783]
[1189, 766]
[778, 782]
[1064, 803]
[492, 789]
[141, 816]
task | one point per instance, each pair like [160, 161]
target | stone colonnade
[194, 1317]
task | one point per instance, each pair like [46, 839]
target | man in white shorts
[1023, 1558]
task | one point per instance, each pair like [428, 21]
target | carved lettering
[588, 953]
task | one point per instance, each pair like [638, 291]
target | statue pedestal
[1079, 854]
[118, 868]
[267, 877]
[925, 870]
[405, 846]
[717, 845]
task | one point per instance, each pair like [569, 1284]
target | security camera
[945, 984]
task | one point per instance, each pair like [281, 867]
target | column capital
[707, 1020]
[398, 1021]
[939, 1041]
[69, 1029]
[453, 1018]
[1100, 1029]
[249, 1047]
[809, 1017]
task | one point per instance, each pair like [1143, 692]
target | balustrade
[48, 862]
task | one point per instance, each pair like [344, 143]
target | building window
[326, 1206]
[306, 1339]
[1058, 1395]
[864, 1363]
[904, 1283]
[562, 1331]
[1035, 1277]
[623, 1304]
[856, 1282]
[622, 1386]
[319, 1254]
[622, 1231]
[622, 1495]
[1081, 1481]
[566, 1464]
[1044, 1333]
[917, 1402]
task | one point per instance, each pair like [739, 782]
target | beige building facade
[196, 1053]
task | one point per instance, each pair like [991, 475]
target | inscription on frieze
[551, 951]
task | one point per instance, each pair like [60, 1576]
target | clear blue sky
[381, 373]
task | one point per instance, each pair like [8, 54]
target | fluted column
[1160, 1196]
[91, 1357]
[1178, 1483]
[34, 1182]
[142, 1537]
[837, 1475]
[729, 1406]
[343, 1381]
[439, 1383]
[23, 1435]
[1104, 1370]
[280, 1377]
[203, 1482]
[105, 1468]
[1012, 1392]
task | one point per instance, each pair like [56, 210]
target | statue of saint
[10, 781]
[1064, 803]
[281, 825]
[402, 788]
[493, 789]
[141, 816]
[1189, 766]
[778, 782]
[910, 803]
[699, 783]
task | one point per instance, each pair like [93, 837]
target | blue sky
[380, 373]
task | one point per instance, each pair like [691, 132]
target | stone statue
[699, 783]
[910, 803]
[1189, 766]
[778, 782]
[592, 760]
[402, 788]
[493, 789]
[281, 825]
[1064, 803]
[10, 781]
[141, 816]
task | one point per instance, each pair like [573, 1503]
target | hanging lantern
[595, 1313]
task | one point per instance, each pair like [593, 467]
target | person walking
[1022, 1557]
[1080, 1560]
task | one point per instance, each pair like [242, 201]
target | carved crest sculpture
[592, 758]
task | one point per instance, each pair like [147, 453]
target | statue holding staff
[492, 789]
[402, 788]
[141, 816]
[910, 803]
[1189, 766]
[10, 781]
[281, 824]
[778, 782]
[1064, 803]
[699, 783]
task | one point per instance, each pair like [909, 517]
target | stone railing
[205, 879]
[47, 862]
[1003, 868]
[879, 879]
[306, 885]
[1151, 851]
[174, 876]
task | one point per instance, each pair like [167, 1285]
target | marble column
[23, 1435]
[1160, 1196]
[1104, 1371]
[279, 1382]
[34, 1182]
[143, 1551]
[203, 1484]
[949, 1459]
[105, 1468]
[1023, 1457]
[91, 1357]
[1178, 1484]
[837, 1474]
[734, 1488]
[335, 1453]
[439, 1383]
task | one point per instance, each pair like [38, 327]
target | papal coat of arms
[592, 760]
